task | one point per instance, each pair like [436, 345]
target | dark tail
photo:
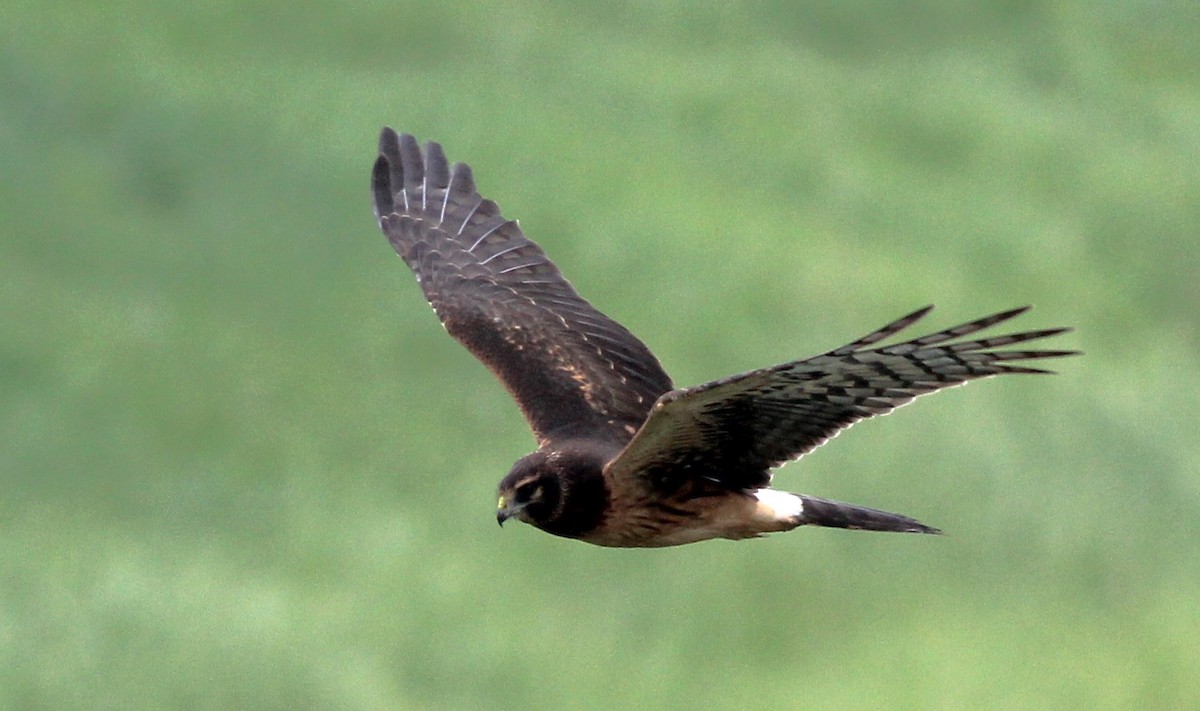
[822, 512]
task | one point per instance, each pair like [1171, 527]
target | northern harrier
[624, 458]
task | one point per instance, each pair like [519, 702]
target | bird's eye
[531, 491]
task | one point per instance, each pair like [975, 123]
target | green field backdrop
[243, 467]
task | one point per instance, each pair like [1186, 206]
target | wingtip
[906, 321]
[980, 324]
[381, 187]
[911, 318]
[389, 140]
[437, 169]
[387, 175]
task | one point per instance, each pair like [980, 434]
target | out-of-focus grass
[244, 468]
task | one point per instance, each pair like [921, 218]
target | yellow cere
[501, 504]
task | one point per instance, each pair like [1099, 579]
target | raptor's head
[560, 490]
[531, 492]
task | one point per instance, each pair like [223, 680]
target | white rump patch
[779, 505]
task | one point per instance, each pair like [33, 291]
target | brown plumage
[623, 458]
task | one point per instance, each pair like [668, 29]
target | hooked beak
[505, 512]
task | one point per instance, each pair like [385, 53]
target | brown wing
[735, 430]
[569, 366]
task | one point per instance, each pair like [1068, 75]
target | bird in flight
[624, 458]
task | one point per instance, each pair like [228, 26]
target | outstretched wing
[734, 430]
[569, 366]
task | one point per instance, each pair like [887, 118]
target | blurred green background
[243, 466]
